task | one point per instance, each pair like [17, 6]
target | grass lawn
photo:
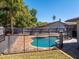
[54, 54]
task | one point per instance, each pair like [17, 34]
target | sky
[64, 9]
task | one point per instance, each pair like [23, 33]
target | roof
[52, 23]
[64, 23]
[70, 23]
[73, 19]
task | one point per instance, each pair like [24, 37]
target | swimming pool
[44, 41]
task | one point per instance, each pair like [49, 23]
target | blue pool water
[44, 41]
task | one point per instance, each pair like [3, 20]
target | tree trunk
[11, 27]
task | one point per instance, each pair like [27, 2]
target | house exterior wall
[70, 29]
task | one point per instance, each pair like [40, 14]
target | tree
[14, 14]
[41, 23]
[33, 13]
[10, 10]
[24, 19]
[54, 17]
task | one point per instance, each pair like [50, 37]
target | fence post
[8, 44]
[37, 37]
[24, 43]
[49, 38]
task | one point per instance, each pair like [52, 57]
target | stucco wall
[4, 46]
[12, 44]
